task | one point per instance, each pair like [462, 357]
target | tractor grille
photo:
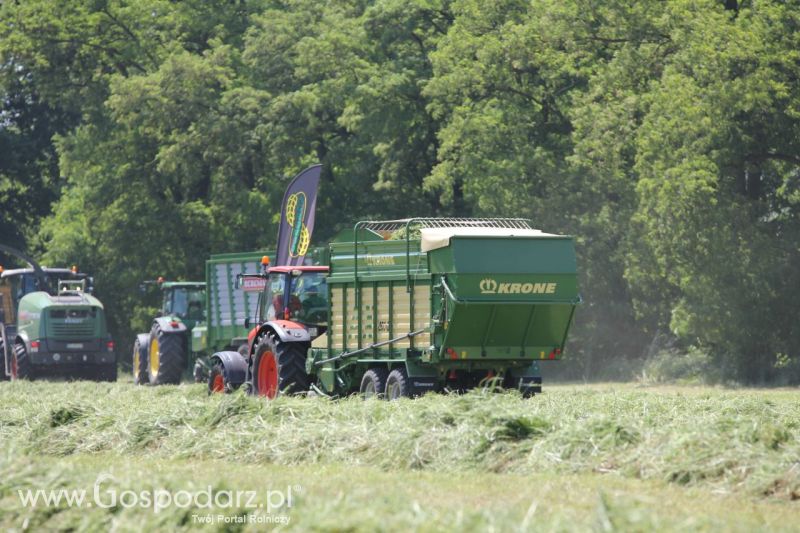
[69, 324]
[73, 331]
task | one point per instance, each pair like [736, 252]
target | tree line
[138, 137]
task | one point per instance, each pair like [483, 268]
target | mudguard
[234, 365]
[288, 331]
[144, 341]
[165, 323]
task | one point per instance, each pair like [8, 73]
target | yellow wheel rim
[136, 364]
[154, 357]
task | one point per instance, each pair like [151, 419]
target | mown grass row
[723, 440]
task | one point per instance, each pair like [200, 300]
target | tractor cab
[299, 294]
[184, 300]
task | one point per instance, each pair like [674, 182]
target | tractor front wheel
[165, 357]
[279, 367]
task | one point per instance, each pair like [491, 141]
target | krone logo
[488, 286]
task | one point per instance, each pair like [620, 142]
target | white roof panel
[434, 238]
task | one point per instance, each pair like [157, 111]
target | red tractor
[292, 312]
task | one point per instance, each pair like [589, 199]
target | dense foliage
[139, 137]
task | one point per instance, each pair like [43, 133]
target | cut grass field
[607, 457]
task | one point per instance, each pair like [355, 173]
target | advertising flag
[297, 217]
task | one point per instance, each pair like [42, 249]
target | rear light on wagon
[110, 346]
[35, 346]
[452, 353]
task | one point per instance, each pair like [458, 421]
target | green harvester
[51, 324]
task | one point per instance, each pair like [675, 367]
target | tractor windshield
[184, 302]
[307, 302]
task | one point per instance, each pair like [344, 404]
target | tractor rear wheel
[373, 383]
[165, 357]
[279, 367]
[398, 385]
[21, 364]
[140, 363]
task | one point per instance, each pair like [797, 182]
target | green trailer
[197, 318]
[229, 307]
[423, 304]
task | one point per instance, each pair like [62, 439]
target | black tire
[398, 385]
[288, 359]
[373, 383]
[171, 356]
[140, 376]
[24, 367]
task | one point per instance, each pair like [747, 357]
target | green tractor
[51, 325]
[162, 355]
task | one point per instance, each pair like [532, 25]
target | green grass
[577, 457]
